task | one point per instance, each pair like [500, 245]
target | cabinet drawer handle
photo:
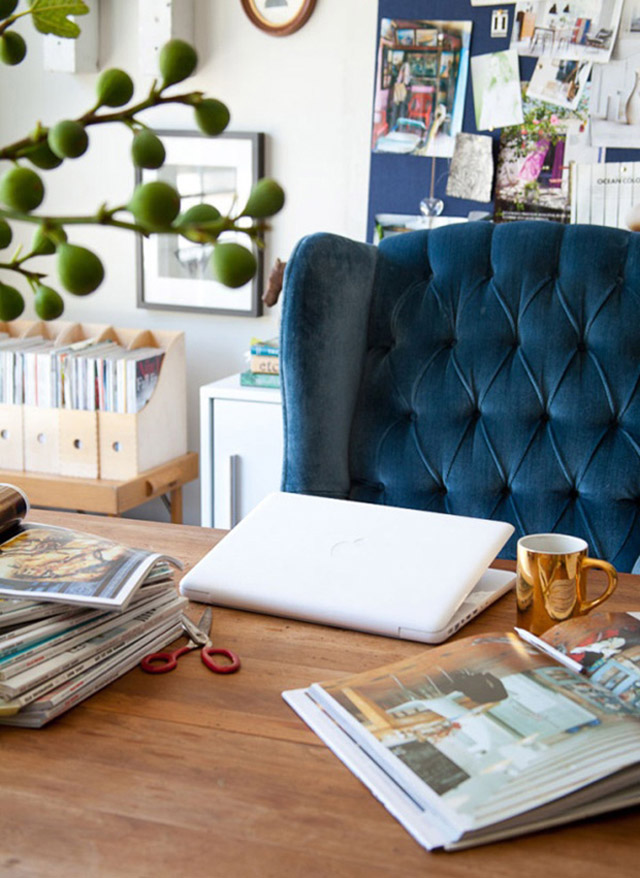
[234, 461]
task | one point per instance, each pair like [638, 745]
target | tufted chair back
[481, 370]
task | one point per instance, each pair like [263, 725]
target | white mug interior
[552, 544]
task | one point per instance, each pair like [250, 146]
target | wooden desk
[105, 495]
[196, 774]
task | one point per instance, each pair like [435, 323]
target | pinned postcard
[581, 30]
[615, 103]
[421, 83]
[560, 82]
[471, 174]
[496, 90]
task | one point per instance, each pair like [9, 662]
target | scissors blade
[197, 636]
[204, 622]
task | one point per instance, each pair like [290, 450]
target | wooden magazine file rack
[104, 445]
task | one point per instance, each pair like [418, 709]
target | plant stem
[6, 24]
[14, 266]
[91, 117]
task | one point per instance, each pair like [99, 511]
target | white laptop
[398, 572]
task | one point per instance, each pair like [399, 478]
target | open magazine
[492, 736]
[40, 562]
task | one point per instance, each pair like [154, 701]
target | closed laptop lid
[338, 562]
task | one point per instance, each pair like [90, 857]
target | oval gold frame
[279, 30]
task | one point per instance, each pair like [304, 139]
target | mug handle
[612, 575]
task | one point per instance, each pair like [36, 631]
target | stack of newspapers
[76, 612]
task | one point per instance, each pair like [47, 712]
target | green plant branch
[155, 98]
[6, 24]
[17, 267]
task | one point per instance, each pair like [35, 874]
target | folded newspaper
[94, 610]
[492, 736]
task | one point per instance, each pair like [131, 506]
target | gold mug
[551, 584]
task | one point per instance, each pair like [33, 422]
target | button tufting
[442, 490]
[614, 422]
[412, 416]
[451, 343]
[506, 490]
[545, 417]
[582, 346]
[475, 415]
[574, 494]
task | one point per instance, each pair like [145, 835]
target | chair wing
[475, 369]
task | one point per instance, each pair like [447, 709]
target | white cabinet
[240, 449]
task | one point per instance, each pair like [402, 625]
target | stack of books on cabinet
[90, 400]
[264, 364]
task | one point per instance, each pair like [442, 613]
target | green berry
[49, 305]
[21, 189]
[155, 205]
[6, 234]
[199, 213]
[114, 88]
[43, 241]
[7, 8]
[233, 265]
[212, 116]
[147, 150]
[177, 61]
[42, 157]
[80, 270]
[265, 199]
[11, 302]
[12, 48]
[68, 139]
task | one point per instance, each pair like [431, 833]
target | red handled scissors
[162, 662]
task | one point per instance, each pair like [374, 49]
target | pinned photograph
[421, 82]
[496, 90]
[580, 30]
[533, 176]
[615, 103]
[471, 174]
[559, 82]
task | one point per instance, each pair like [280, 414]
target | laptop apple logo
[347, 548]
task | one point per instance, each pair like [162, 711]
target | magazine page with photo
[532, 176]
[46, 563]
[607, 645]
[473, 732]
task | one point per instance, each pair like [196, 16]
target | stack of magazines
[90, 375]
[76, 612]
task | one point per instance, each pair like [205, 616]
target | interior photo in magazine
[484, 723]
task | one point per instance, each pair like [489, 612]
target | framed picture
[174, 273]
[405, 36]
[279, 17]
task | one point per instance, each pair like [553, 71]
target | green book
[259, 379]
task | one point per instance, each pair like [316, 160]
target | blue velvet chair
[482, 370]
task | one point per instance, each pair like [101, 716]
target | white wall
[310, 93]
